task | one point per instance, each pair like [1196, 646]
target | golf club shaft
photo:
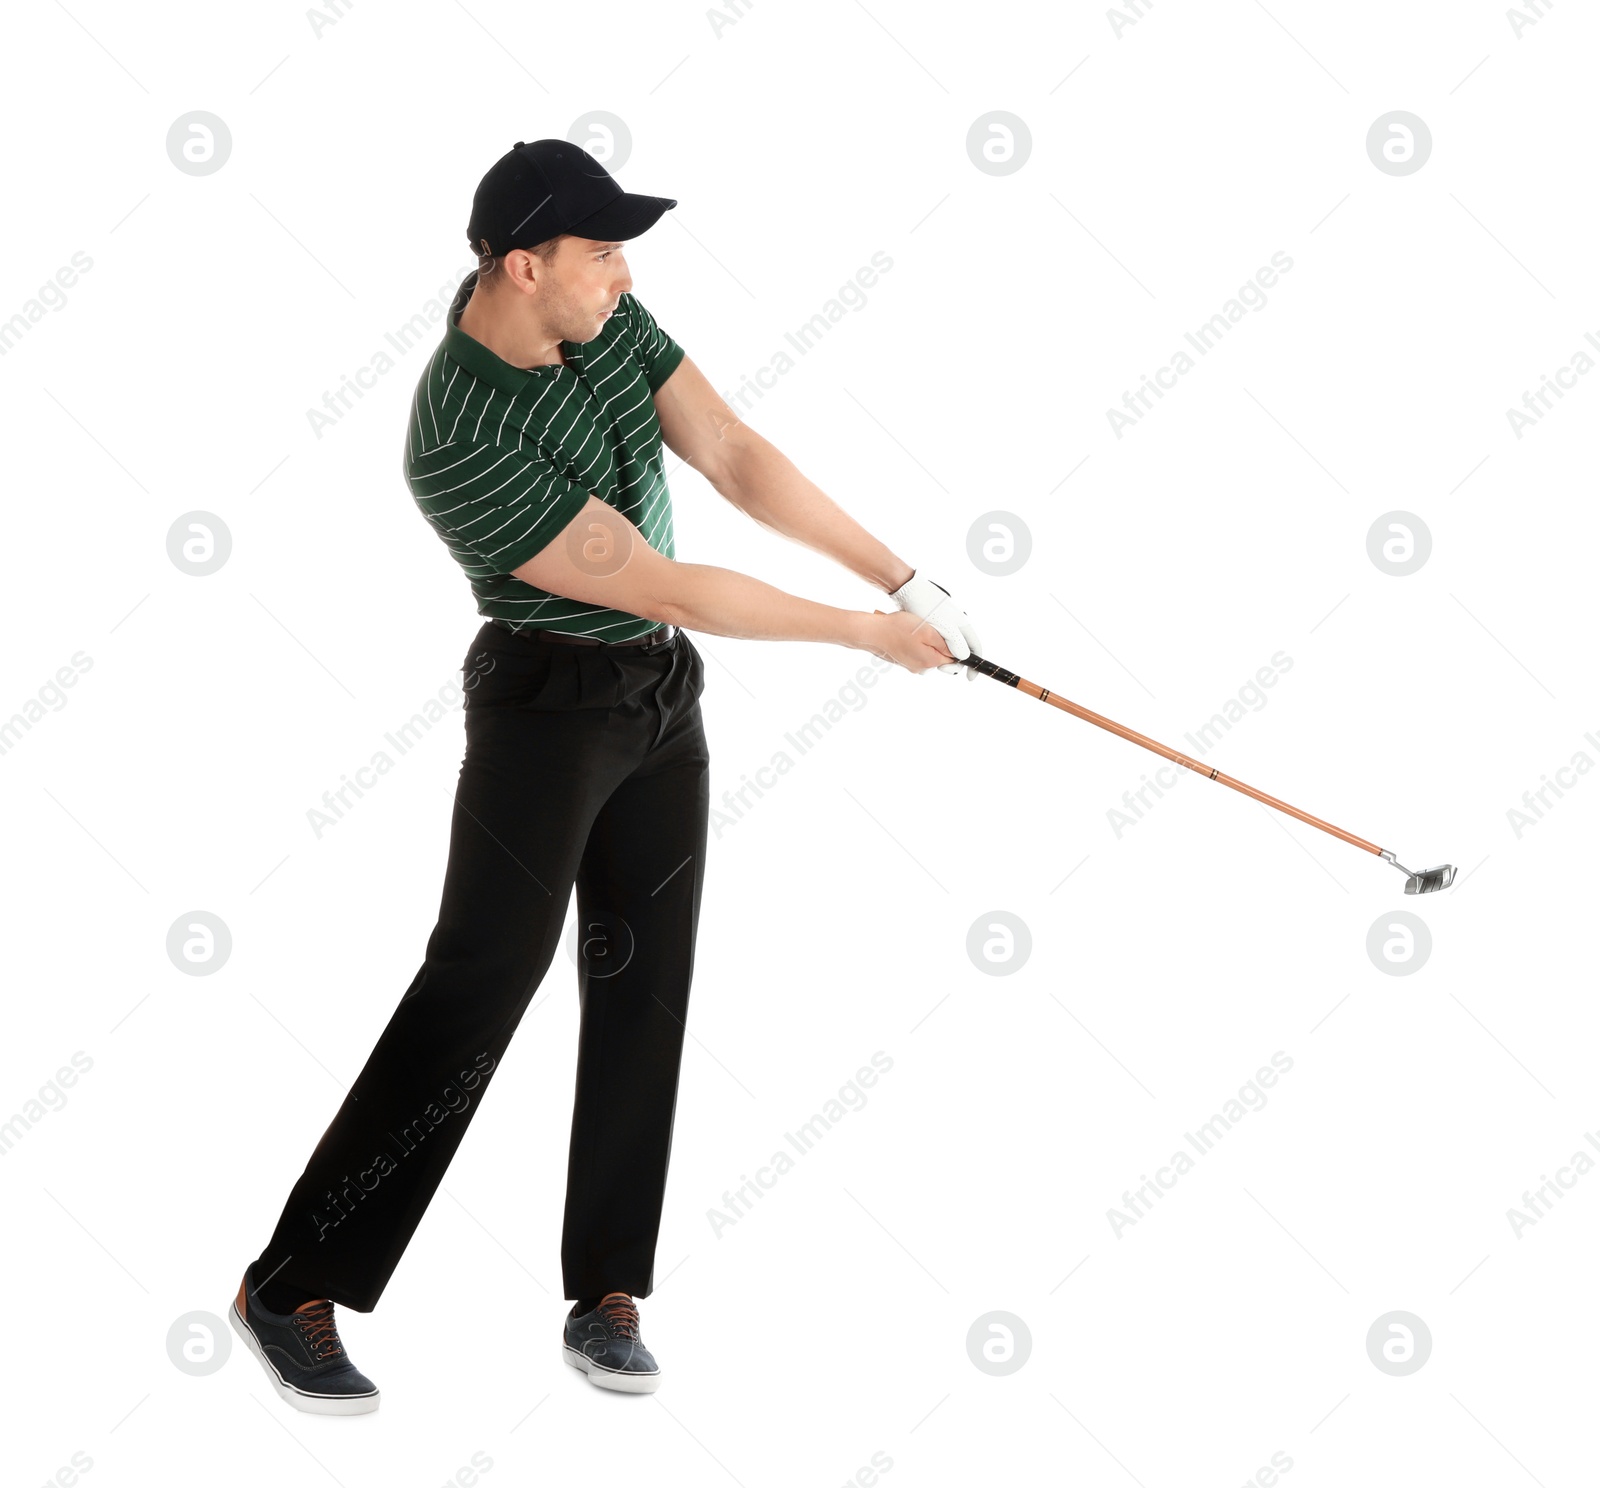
[1032, 689]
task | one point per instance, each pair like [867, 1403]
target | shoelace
[622, 1316]
[316, 1325]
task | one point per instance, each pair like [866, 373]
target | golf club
[1425, 881]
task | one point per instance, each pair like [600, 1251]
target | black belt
[657, 637]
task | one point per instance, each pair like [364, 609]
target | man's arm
[755, 476]
[601, 558]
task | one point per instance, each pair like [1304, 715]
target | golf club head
[1430, 880]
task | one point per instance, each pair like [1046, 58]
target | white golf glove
[931, 602]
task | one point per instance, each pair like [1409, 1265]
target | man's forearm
[764, 484]
[721, 601]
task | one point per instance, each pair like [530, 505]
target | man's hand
[902, 638]
[932, 602]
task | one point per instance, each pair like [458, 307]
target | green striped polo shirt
[500, 458]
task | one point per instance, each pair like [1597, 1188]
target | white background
[1169, 160]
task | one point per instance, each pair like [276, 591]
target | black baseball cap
[538, 190]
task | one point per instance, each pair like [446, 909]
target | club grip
[989, 669]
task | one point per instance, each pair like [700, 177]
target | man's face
[588, 278]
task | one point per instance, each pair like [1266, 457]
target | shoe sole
[610, 1379]
[303, 1400]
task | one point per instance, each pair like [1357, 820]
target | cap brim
[622, 218]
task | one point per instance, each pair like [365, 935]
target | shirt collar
[484, 364]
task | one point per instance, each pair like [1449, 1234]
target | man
[534, 451]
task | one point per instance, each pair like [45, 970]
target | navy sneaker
[605, 1345]
[302, 1355]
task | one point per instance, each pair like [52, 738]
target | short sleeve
[494, 508]
[658, 352]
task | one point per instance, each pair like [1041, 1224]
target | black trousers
[584, 765]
